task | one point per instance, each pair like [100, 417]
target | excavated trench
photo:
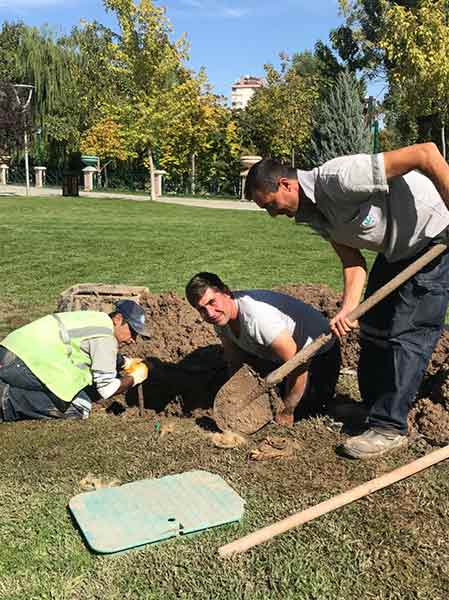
[187, 366]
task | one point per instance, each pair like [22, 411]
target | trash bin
[70, 184]
[71, 175]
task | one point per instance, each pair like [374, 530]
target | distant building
[243, 90]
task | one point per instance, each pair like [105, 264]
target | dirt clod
[228, 439]
[90, 483]
[272, 448]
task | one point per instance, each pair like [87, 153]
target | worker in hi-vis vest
[48, 366]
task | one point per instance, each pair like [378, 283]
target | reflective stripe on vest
[51, 348]
[67, 335]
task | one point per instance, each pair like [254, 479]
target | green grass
[196, 196]
[392, 545]
[49, 244]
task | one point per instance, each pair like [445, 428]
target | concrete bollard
[4, 174]
[88, 173]
[247, 162]
[39, 176]
[158, 175]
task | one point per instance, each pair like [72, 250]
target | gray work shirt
[264, 314]
[103, 353]
[349, 200]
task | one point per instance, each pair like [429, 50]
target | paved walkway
[20, 190]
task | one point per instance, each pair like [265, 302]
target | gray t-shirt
[349, 200]
[264, 314]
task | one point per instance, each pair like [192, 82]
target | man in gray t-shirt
[271, 327]
[396, 204]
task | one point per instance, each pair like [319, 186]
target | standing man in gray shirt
[396, 204]
[271, 327]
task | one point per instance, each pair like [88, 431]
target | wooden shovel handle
[267, 533]
[304, 355]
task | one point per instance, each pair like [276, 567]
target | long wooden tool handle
[304, 355]
[266, 533]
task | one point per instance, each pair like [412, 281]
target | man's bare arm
[285, 348]
[126, 383]
[423, 157]
[354, 276]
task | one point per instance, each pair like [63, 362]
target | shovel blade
[243, 404]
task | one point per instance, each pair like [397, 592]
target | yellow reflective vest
[50, 347]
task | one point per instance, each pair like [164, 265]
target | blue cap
[133, 314]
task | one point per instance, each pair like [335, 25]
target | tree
[107, 140]
[146, 67]
[416, 44]
[10, 35]
[340, 128]
[47, 65]
[357, 41]
[277, 120]
[14, 119]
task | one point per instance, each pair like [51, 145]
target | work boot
[373, 442]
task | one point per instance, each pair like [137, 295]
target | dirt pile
[187, 365]
[324, 299]
[431, 421]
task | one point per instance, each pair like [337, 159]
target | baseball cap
[134, 315]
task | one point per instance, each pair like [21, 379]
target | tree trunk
[151, 161]
[443, 139]
[27, 163]
[193, 182]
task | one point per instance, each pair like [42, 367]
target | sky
[230, 38]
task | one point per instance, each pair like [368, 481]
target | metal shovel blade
[233, 412]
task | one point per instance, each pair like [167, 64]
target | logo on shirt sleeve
[368, 221]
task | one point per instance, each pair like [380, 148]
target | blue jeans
[24, 396]
[398, 336]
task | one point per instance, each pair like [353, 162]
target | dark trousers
[398, 337]
[24, 396]
[324, 370]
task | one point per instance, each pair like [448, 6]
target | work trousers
[323, 372]
[398, 336]
[24, 396]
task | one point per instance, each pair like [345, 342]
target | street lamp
[28, 89]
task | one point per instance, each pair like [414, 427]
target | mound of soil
[324, 299]
[187, 365]
[431, 421]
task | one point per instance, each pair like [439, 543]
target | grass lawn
[50, 244]
[392, 545]
[107, 191]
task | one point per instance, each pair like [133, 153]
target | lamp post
[28, 89]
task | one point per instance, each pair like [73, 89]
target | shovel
[244, 403]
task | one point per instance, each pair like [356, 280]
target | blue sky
[229, 38]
